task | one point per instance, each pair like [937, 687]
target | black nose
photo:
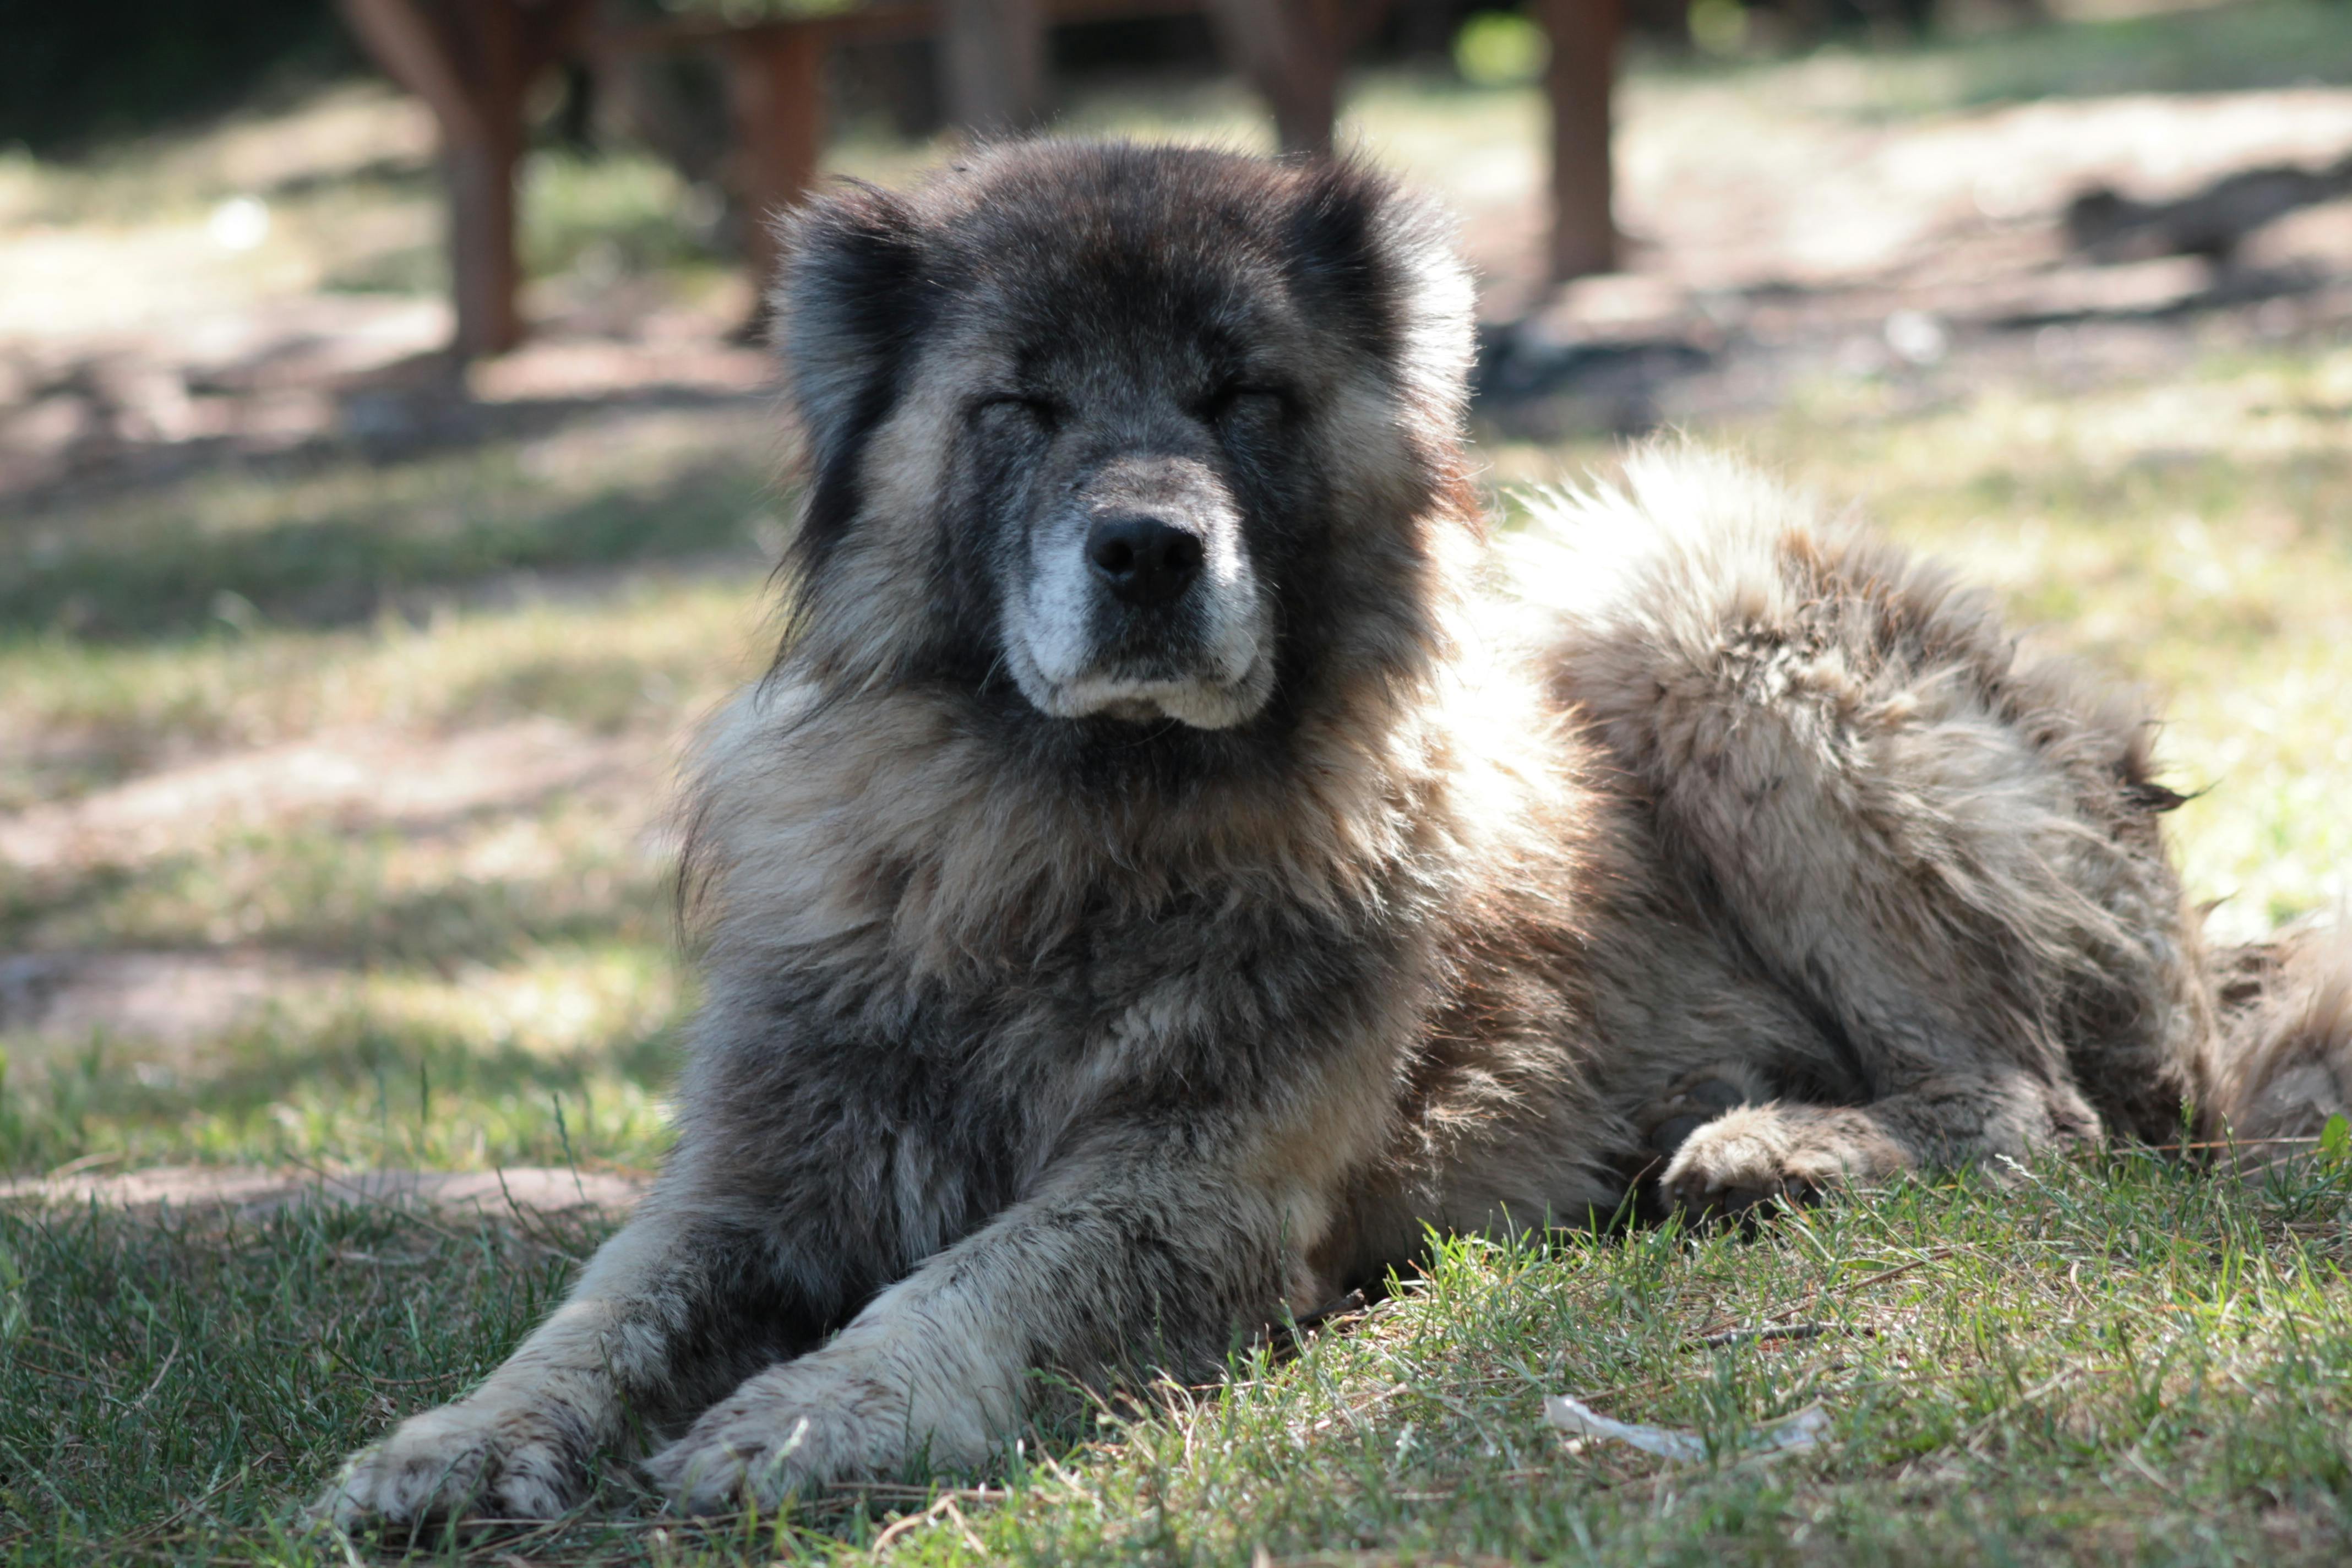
[1142, 560]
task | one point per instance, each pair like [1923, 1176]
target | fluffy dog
[1174, 860]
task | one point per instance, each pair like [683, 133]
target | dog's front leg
[1142, 1254]
[520, 1445]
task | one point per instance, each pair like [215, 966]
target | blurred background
[389, 472]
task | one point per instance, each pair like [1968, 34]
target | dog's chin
[1200, 703]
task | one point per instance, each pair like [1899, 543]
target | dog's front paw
[1755, 1154]
[833, 1416]
[478, 1459]
[783, 1431]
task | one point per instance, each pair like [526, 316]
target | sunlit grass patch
[643, 653]
[2125, 1358]
[384, 896]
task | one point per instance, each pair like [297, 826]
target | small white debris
[1918, 337]
[1803, 1430]
[240, 223]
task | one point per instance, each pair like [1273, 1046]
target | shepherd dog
[1184, 854]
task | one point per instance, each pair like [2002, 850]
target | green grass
[2117, 1360]
[338, 537]
[2122, 1360]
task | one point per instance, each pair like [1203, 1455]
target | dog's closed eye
[1238, 403]
[1044, 413]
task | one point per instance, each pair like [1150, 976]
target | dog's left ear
[847, 307]
[1378, 266]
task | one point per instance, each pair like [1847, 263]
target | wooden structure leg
[775, 89]
[995, 59]
[1293, 51]
[485, 268]
[1583, 71]
[473, 61]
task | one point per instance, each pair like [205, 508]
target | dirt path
[529, 1191]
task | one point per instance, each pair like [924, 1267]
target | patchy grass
[2118, 1360]
[2123, 1359]
[336, 538]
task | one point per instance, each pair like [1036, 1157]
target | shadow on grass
[319, 898]
[361, 557]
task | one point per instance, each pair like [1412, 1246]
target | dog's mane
[818, 818]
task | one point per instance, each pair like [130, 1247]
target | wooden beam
[994, 51]
[473, 61]
[485, 263]
[1293, 52]
[1580, 80]
[416, 50]
[775, 89]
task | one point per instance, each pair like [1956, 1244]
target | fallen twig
[917, 1494]
[900, 1526]
[161, 1372]
[1803, 1430]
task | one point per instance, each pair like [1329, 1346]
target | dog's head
[1128, 434]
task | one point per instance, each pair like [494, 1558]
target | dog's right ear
[847, 308]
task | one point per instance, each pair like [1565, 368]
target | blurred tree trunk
[1581, 76]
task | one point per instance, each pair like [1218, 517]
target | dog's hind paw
[465, 1460]
[1754, 1153]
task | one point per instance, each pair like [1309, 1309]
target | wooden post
[1293, 52]
[1583, 71]
[481, 167]
[995, 56]
[775, 89]
[473, 61]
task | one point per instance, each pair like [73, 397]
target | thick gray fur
[1089, 986]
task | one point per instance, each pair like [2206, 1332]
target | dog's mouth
[1204, 702]
[1132, 709]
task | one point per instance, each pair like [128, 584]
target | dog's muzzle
[1141, 603]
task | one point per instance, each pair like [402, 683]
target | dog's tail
[2284, 1062]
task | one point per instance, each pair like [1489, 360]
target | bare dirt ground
[2065, 241]
[165, 1191]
